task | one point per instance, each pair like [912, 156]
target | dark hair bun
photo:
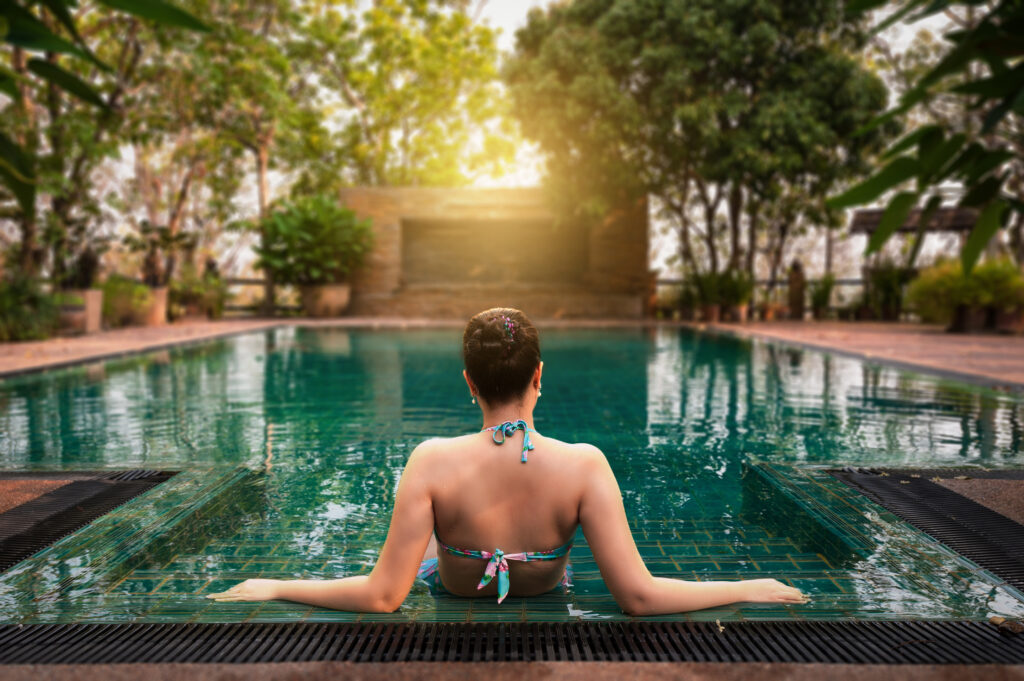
[501, 350]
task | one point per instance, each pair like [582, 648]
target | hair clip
[510, 328]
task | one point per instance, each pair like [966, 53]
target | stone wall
[448, 253]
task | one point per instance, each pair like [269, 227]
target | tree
[65, 104]
[984, 153]
[416, 85]
[737, 117]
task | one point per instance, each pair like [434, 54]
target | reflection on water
[331, 416]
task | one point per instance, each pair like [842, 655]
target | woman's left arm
[384, 589]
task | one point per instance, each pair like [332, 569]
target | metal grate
[915, 642]
[38, 523]
[990, 539]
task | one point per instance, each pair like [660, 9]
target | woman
[507, 487]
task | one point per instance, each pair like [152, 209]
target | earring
[474, 399]
[538, 390]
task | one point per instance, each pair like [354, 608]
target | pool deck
[993, 359]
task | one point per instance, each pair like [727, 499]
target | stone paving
[997, 359]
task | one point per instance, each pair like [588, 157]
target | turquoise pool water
[291, 442]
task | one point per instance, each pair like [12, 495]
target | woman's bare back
[485, 498]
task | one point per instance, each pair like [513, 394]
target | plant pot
[737, 313]
[710, 314]
[156, 315]
[86, 317]
[1010, 320]
[968, 319]
[326, 300]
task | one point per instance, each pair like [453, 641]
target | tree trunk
[782, 230]
[829, 247]
[753, 220]
[735, 215]
[262, 163]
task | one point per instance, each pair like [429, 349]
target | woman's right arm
[637, 592]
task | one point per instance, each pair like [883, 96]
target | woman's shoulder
[580, 449]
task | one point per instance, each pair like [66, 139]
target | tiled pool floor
[156, 558]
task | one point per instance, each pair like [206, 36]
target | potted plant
[735, 290]
[81, 299]
[195, 296]
[709, 295]
[160, 248]
[1003, 289]
[125, 302]
[821, 295]
[314, 243]
[884, 295]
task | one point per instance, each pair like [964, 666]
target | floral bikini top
[497, 560]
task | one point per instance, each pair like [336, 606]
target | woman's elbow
[635, 602]
[386, 602]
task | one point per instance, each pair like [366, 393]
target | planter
[968, 319]
[1010, 320]
[84, 318]
[327, 300]
[737, 313]
[710, 314]
[156, 315]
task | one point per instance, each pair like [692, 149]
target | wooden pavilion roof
[952, 219]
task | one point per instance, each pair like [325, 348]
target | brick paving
[995, 358]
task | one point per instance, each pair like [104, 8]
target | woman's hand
[249, 590]
[771, 591]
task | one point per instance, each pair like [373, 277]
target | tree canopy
[738, 117]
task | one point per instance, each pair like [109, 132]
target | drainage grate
[990, 539]
[913, 642]
[38, 523]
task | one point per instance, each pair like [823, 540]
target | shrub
[125, 301]
[884, 294]
[313, 240]
[735, 288]
[940, 289]
[207, 292]
[821, 294]
[27, 312]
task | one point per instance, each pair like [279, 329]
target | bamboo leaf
[17, 173]
[159, 11]
[909, 140]
[895, 215]
[988, 223]
[898, 171]
[66, 81]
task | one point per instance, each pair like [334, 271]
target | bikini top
[497, 560]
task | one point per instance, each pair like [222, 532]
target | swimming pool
[290, 443]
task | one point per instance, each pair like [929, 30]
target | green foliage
[208, 293]
[735, 287]
[420, 80]
[821, 293]
[940, 289]
[312, 240]
[70, 98]
[125, 301]
[745, 109]
[884, 294]
[983, 68]
[26, 311]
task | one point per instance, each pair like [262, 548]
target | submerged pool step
[913, 642]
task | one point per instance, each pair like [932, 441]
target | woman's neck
[495, 416]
